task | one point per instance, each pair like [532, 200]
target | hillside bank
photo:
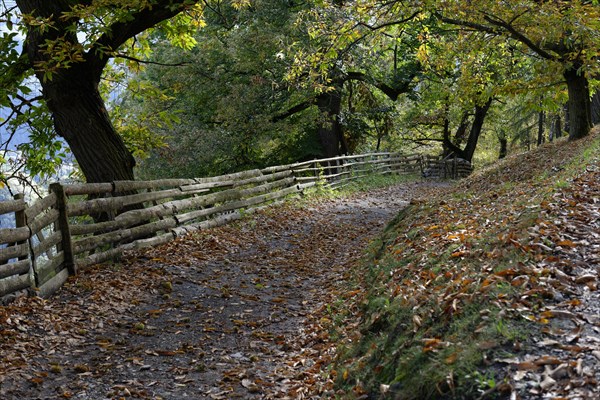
[485, 290]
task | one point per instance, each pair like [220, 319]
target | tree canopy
[561, 35]
[67, 47]
[264, 81]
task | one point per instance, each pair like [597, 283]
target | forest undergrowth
[486, 290]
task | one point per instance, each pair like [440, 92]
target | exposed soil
[239, 311]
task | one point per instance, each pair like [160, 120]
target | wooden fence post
[454, 167]
[66, 244]
[446, 167]
[20, 219]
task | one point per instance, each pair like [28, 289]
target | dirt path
[235, 312]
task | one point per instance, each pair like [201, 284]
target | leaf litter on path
[239, 311]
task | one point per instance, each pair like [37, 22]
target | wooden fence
[78, 225]
[450, 167]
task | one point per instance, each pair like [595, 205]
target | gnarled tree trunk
[480, 114]
[70, 76]
[80, 117]
[476, 127]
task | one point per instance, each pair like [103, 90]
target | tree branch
[519, 37]
[130, 58]
[452, 147]
[28, 102]
[15, 72]
[120, 32]
[499, 23]
[390, 91]
[6, 13]
[468, 24]
[391, 23]
[296, 109]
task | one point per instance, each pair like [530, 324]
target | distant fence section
[78, 225]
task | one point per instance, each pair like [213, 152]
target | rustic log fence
[450, 167]
[78, 225]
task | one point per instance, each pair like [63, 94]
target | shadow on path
[235, 312]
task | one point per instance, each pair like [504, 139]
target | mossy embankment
[453, 283]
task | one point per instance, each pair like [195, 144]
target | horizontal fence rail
[78, 225]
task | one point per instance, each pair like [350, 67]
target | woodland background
[197, 88]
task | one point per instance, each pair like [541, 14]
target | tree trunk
[579, 105]
[72, 95]
[540, 137]
[80, 117]
[453, 146]
[330, 129]
[558, 127]
[480, 114]
[461, 132]
[476, 127]
[596, 108]
[566, 114]
[555, 127]
[503, 147]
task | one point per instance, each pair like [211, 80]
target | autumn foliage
[481, 289]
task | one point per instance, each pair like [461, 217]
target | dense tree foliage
[210, 87]
[67, 46]
[241, 107]
[225, 94]
[477, 55]
[560, 35]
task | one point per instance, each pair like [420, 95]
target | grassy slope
[441, 291]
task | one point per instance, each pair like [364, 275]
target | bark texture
[330, 129]
[80, 117]
[596, 108]
[503, 148]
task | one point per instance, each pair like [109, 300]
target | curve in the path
[236, 312]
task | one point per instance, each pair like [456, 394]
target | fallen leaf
[566, 243]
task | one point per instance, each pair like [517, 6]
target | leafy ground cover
[486, 290]
[241, 311]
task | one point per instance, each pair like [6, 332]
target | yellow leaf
[451, 359]
[566, 243]
[416, 320]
